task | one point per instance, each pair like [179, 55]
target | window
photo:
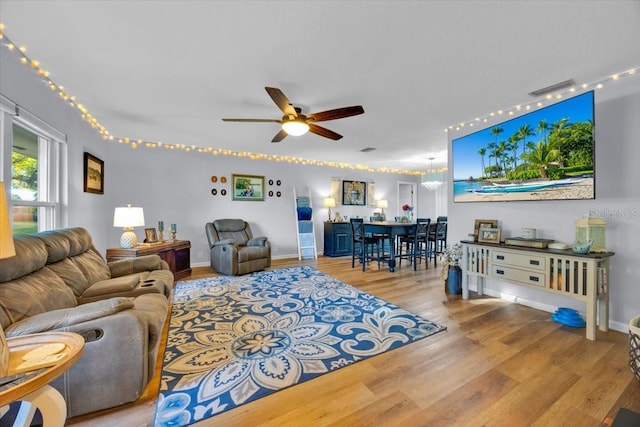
[37, 159]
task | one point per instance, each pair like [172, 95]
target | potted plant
[451, 271]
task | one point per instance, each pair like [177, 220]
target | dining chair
[363, 245]
[437, 238]
[385, 242]
[415, 247]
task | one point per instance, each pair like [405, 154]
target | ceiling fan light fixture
[295, 127]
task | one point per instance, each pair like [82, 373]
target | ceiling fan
[295, 123]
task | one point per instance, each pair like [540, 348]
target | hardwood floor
[498, 364]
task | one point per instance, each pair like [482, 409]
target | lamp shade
[382, 203]
[6, 235]
[128, 217]
[329, 202]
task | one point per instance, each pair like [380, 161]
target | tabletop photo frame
[150, 235]
[483, 223]
[489, 235]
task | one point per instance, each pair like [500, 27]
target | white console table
[582, 277]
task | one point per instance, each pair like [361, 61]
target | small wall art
[354, 193]
[248, 187]
[93, 174]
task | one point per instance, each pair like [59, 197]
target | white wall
[617, 132]
[20, 84]
[175, 186]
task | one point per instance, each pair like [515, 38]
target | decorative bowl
[582, 247]
[568, 317]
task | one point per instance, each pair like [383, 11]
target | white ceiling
[170, 70]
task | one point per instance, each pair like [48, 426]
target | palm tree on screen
[524, 132]
[492, 151]
[513, 145]
[503, 149]
[543, 128]
[482, 153]
[543, 154]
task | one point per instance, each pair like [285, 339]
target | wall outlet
[200, 254]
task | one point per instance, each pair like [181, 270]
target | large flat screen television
[547, 154]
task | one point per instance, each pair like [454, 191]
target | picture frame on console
[247, 187]
[483, 223]
[489, 235]
[150, 235]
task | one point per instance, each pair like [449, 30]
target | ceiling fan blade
[280, 136]
[318, 130]
[338, 113]
[281, 101]
[253, 120]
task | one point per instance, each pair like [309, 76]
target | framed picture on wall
[354, 193]
[247, 187]
[93, 174]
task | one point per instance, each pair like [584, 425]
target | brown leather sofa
[58, 281]
[234, 250]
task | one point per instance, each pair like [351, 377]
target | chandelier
[433, 179]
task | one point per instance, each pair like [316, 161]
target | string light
[550, 97]
[106, 135]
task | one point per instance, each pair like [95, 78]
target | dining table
[393, 230]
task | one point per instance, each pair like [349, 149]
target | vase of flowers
[408, 210]
[451, 272]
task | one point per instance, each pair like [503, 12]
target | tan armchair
[234, 250]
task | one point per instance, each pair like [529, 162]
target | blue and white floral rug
[236, 339]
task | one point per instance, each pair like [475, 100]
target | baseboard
[616, 326]
[207, 264]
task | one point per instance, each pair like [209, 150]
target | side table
[33, 389]
[337, 239]
[176, 253]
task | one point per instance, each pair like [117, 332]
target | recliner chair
[234, 250]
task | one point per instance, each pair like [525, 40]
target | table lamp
[128, 217]
[7, 250]
[329, 202]
[382, 203]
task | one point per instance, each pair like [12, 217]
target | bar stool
[363, 244]
[416, 245]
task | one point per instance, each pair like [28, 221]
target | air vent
[558, 86]
[366, 150]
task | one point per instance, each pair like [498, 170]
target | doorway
[407, 195]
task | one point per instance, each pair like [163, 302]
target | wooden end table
[176, 253]
[33, 389]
